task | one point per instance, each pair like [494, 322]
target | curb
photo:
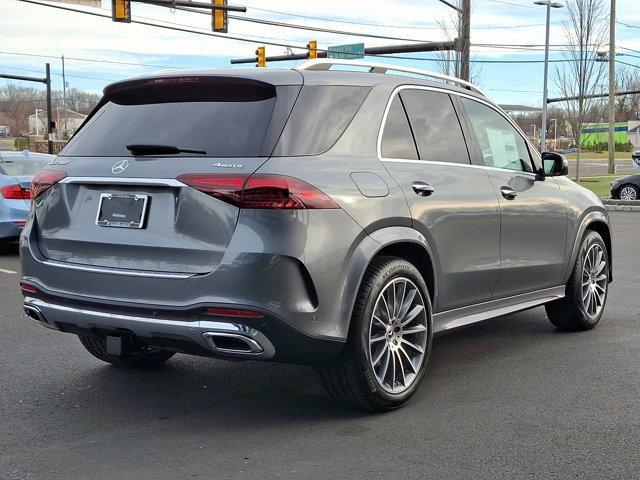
[622, 208]
[621, 205]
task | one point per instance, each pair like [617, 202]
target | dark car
[337, 218]
[627, 188]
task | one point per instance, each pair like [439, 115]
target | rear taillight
[15, 192]
[44, 180]
[277, 192]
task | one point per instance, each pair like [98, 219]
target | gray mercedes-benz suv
[313, 215]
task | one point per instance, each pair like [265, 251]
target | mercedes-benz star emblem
[120, 166]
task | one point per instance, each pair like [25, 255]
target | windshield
[22, 167]
[221, 118]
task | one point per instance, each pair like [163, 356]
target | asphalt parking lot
[509, 398]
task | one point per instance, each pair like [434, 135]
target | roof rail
[326, 64]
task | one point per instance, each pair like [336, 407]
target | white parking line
[7, 271]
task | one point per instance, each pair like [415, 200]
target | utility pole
[464, 35]
[463, 42]
[64, 96]
[49, 112]
[612, 86]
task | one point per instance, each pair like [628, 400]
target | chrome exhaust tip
[232, 343]
[34, 312]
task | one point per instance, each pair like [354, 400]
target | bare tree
[450, 61]
[581, 73]
[627, 106]
[17, 103]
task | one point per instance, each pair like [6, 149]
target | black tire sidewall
[382, 276]
[590, 239]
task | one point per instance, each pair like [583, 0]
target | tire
[353, 378]
[576, 312]
[632, 192]
[134, 355]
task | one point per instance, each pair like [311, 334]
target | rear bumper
[11, 229]
[186, 331]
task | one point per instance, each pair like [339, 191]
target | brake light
[260, 191]
[233, 312]
[44, 180]
[15, 192]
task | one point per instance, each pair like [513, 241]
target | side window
[435, 126]
[397, 140]
[501, 144]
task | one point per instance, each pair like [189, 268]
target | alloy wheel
[594, 280]
[628, 193]
[398, 334]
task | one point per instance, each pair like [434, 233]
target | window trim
[399, 88]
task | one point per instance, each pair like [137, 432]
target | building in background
[595, 135]
[67, 122]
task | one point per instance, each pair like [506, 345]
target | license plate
[122, 210]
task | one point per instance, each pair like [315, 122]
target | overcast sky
[38, 30]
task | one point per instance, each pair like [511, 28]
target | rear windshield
[217, 116]
[22, 166]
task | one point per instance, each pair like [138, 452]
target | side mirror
[554, 164]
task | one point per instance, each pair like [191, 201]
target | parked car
[635, 157]
[567, 151]
[626, 188]
[16, 171]
[4, 131]
[335, 218]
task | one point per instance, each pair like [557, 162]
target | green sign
[346, 52]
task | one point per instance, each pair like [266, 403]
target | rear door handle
[422, 188]
[508, 193]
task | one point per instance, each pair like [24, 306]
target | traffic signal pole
[385, 50]
[47, 81]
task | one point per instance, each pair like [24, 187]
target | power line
[628, 25]
[178, 29]
[287, 45]
[79, 59]
[59, 74]
[186, 30]
[386, 25]
[627, 64]
[630, 49]
[513, 4]
[304, 27]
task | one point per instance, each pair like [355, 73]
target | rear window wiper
[141, 149]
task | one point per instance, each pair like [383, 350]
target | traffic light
[121, 11]
[261, 57]
[312, 49]
[219, 17]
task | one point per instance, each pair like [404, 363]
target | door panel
[533, 212]
[461, 220]
[452, 203]
[534, 228]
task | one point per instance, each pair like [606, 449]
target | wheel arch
[597, 221]
[403, 242]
